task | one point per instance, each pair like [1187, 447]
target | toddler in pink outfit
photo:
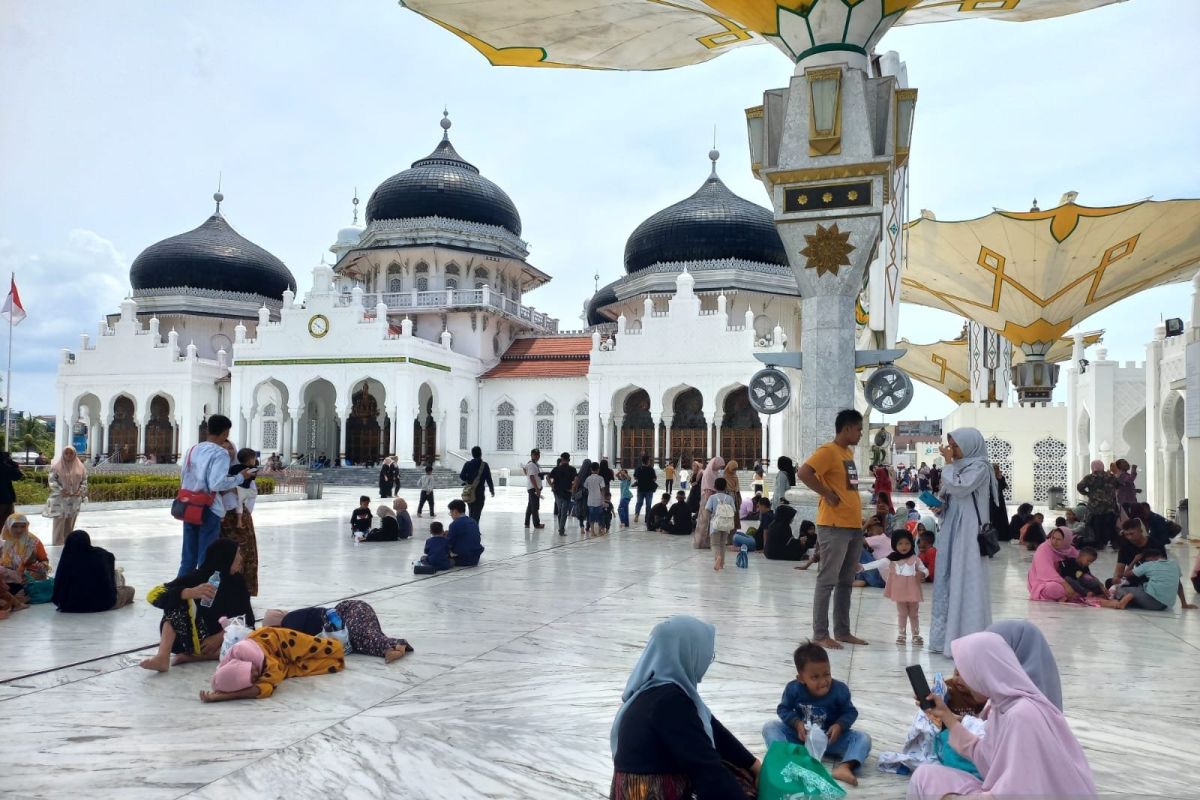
[905, 574]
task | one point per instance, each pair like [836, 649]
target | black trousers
[475, 510]
[532, 507]
[426, 497]
[1104, 528]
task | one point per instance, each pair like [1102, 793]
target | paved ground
[518, 669]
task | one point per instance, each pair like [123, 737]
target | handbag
[189, 506]
[39, 591]
[468, 492]
[989, 542]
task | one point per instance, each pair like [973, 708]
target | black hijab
[84, 580]
[787, 466]
[897, 537]
[233, 598]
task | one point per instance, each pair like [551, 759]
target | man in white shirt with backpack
[724, 521]
[206, 474]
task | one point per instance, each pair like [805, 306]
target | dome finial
[596, 278]
[217, 196]
[445, 123]
[713, 155]
[355, 202]
[1035, 205]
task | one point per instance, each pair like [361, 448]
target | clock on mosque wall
[318, 326]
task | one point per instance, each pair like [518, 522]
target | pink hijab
[236, 671]
[1043, 571]
[708, 481]
[1029, 750]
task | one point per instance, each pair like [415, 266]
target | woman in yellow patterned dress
[256, 665]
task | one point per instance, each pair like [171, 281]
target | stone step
[443, 477]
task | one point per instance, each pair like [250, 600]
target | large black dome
[444, 184]
[714, 223]
[214, 257]
[604, 297]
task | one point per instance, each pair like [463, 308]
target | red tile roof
[544, 357]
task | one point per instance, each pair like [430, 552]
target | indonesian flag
[13, 311]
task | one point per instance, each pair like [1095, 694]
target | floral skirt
[626, 786]
[247, 545]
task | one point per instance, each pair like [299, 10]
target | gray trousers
[840, 549]
[1141, 598]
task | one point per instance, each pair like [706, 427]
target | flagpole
[8, 380]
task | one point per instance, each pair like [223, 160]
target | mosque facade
[419, 340]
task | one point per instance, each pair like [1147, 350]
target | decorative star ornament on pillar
[827, 249]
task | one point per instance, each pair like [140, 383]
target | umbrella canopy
[1033, 275]
[660, 34]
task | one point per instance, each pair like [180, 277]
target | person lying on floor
[256, 665]
[361, 621]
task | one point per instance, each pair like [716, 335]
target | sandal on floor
[917, 640]
[901, 639]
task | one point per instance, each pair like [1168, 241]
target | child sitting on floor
[1162, 582]
[926, 551]
[437, 551]
[876, 545]
[904, 574]
[822, 702]
[360, 518]
[659, 516]
[1078, 575]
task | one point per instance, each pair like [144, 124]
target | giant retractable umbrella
[1032, 275]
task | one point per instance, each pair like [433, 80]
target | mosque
[418, 341]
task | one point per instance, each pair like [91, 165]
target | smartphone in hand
[920, 686]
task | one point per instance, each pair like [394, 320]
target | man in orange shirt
[831, 472]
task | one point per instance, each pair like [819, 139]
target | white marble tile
[518, 669]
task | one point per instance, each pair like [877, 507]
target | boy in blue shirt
[1161, 576]
[465, 547]
[817, 698]
[437, 548]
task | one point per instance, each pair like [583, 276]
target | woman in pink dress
[1045, 583]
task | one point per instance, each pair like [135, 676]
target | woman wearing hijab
[579, 493]
[784, 480]
[22, 556]
[1044, 581]
[68, 490]
[239, 528]
[1100, 489]
[86, 579]
[665, 742]
[961, 598]
[1029, 750]
[189, 628]
[708, 487]
[389, 473]
[256, 665]
[883, 485]
[733, 488]
[361, 621]
[694, 481]
[1033, 651]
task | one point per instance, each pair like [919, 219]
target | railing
[455, 298]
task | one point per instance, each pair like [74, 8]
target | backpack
[724, 518]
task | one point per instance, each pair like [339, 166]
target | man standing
[562, 477]
[646, 481]
[533, 474]
[205, 470]
[475, 475]
[831, 472]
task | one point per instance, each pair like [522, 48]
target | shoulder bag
[989, 542]
[189, 506]
[468, 492]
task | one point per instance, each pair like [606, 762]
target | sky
[119, 116]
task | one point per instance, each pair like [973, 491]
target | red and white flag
[13, 311]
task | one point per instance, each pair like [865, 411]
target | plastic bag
[235, 631]
[342, 636]
[918, 746]
[790, 773]
[816, 740]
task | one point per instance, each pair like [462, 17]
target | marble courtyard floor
[518, 669]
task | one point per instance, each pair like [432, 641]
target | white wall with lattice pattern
[1028, 444]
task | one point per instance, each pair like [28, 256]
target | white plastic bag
[815, 740]
[235, 631]
[342, 636]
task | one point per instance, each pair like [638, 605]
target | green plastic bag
[790, 773]
[39, 591]
[951, 757]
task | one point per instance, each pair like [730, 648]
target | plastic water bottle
[333, 620]
[743, 559]
[214, 581]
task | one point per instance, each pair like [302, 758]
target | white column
[343, 416]
[667, 420]
[717, 441]
[708, 448]
[596, 421]
[404, 449]
[383, 440]
[619, 452]
[439, 445]
[394, 415]
[598, 444]
[141, 446]
[296, 439]
[655, 419]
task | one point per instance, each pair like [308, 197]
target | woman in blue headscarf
[665, 741]
[962, 602]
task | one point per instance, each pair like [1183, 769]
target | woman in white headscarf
[68, 490]
[962, 601]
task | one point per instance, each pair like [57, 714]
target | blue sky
[118, 116]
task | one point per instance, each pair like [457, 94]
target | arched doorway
[689, 434]
[364, 434]
[424, 428]
[741, 430]
[637, 429]
[160, 433]
[123, 432]
[318, 421]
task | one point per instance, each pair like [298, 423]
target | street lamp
[825, 119]
[906, 104]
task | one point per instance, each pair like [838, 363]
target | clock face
[318, 326]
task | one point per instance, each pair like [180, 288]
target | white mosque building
[418, 341]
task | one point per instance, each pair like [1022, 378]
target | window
[480, 272]
[496, 344]
[422, 284]
[269, 410]
[462, 425]
[422, 268]
[452, 269]
[543, 428]
[395, 285]
[581, 427]
[312, 434]
[504, 426]
[451, 283]
[545, 409]
[270, 436]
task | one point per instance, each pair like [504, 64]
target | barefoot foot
[843, 773]
[183, 658]
[156, 664]
[395, 654]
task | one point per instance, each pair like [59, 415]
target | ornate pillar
[343, 417]
[404, 446]
[667, 420]
[618, 452]
[295, 442]
[655, 419]
[598, 435]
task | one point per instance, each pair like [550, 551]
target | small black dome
[604, 297]
[444, 184]
[214, 257]
[714, 223]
